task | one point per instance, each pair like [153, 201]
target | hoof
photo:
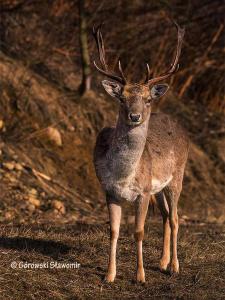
[110, 278]
[141, 276]
[163, 265]
[174, 268]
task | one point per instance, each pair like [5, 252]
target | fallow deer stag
[144, 154]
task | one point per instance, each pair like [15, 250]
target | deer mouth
[131, 123]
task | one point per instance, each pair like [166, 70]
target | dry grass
[201, 251]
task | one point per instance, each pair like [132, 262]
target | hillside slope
[46, 131]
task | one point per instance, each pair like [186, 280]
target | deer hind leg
[114, 218]
[164, 209]
[172, 193]
[141, 208]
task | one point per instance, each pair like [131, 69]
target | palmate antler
[121, 79]
[174, 66]
[101, 51]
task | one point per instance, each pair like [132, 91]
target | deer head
[135, 98]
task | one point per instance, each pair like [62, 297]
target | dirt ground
[201, 253]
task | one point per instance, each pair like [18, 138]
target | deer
[143, 155]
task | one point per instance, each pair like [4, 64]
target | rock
[34, 201]
[1, 124]
[71, 128]
[18, 174]
[31, 207]
[9, 165]
[43, 194]
[33, 192]
[18, 167]
[8, 215]
[10, 177]
[54, 136]
[15, 157]
[59, 206]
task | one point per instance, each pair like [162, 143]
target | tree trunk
[85, 59]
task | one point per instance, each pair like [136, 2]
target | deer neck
[126, 149]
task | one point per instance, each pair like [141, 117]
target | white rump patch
[158, 185]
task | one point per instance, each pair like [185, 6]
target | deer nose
[135, 117]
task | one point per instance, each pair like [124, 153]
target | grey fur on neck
[126, 148]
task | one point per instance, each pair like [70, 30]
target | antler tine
[180, 35]
[148, 73]
[101, 51]
[110, 75]
[100, 44]
[121, 72]
[174, 66]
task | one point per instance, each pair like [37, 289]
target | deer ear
[112, 88]
[158, 90]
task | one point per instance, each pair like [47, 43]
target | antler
[148, 73]
[174, 66]
[101, 51]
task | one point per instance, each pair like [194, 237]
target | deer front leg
[114, 218]
[141, 208]
[163, 207]
[172, 196]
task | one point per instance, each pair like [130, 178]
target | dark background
[48, 129]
